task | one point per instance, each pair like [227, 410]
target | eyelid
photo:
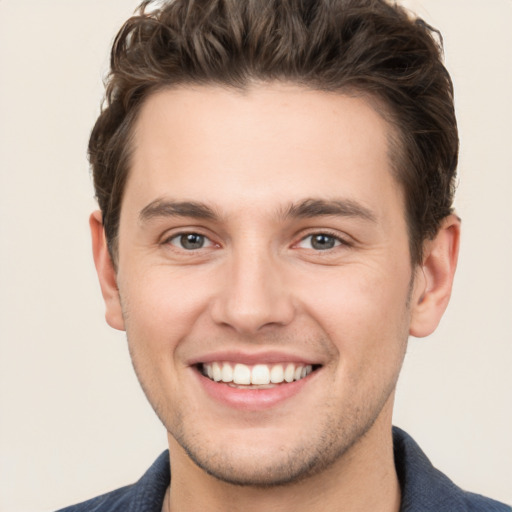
[171, 235]
[207, 241]
[340, 239]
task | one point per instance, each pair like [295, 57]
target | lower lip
[253, 399]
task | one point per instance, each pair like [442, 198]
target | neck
[363, 479]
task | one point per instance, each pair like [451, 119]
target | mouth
[256, 376]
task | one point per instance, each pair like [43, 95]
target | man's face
[262, 234]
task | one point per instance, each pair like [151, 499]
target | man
[275, 181]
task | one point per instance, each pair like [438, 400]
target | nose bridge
[253, 294]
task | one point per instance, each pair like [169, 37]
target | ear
[434, 278]
[106, 273]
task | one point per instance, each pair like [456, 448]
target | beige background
[73, 422]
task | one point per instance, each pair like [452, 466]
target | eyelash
[326, 233]
[338, 241]
[181, 235]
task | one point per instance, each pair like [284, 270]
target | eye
[190, 241]
[319, 242]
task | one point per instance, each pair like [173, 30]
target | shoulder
[146, 495]
[425, 488]
[118, 500]
[478, 503]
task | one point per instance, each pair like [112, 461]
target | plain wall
[73, 422]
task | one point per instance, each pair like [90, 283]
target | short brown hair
[368, 47]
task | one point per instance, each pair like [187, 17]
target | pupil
[322, 242]
[192, 241]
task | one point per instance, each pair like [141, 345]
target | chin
[259, 470]
[271, 458]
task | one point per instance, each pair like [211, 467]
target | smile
[238, 374]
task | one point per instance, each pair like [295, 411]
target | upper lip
[252, 358]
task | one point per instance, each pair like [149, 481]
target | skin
[259, 285]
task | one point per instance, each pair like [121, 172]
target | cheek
[360, 308]
[160, 306]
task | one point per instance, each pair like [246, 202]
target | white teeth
[277, 374]
[242, 374]
[227, 373]
[217, 372]
[258, 375]
[289, 373]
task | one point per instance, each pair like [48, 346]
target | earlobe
[434, 279]
[106, 273]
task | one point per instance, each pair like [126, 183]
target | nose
[253, 294]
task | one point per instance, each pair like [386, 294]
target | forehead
[269, 143]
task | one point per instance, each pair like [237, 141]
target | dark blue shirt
[424, 488]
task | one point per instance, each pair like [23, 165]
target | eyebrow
[307, 208]
[169, 208]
